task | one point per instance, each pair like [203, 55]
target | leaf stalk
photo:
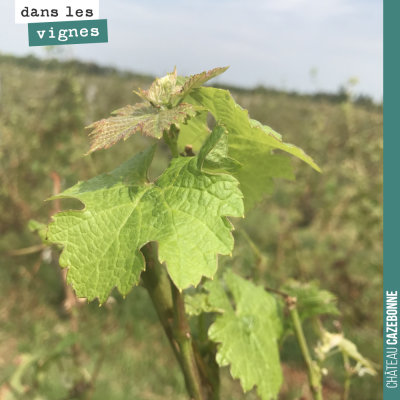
[313, 371]
[183, 337]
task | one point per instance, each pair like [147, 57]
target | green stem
[313, 372]
[183, 337]
[155, 279]
[192, 364]
[171, 140]
[347, 381]
[207, 351]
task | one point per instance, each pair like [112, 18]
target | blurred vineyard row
[325, 227]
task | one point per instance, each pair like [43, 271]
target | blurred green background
[326, 227]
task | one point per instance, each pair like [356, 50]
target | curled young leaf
[311, 300]
[153, 116]
[198, 303]
[196, 81]
[330, 341]
[164, 91]
[215, 153]
[160, 90]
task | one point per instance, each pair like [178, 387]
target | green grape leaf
[311, 301]
[198, 303]
[185, 210]
[250, 143]
[256, 177]
[254, 123]
[160, 90]
[195, 81]
[247, 334]
[143, 117]
[194, 132]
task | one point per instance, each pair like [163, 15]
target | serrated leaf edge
[139, 247]
[139, 125]
[311, 163]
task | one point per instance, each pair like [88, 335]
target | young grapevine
[167, 235]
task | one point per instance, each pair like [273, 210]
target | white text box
[29, 11]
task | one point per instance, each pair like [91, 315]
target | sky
[275, 43]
